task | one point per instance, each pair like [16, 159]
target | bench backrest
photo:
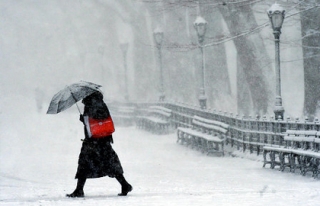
[316, 144]
[209, 126]
[126, 110]
[159, 111]
[305, 139]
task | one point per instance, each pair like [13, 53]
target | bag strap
[87, 124]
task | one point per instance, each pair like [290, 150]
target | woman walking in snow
[97, 157]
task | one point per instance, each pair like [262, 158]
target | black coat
[97, 157]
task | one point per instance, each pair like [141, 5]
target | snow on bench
[206, 135]
[300, 139]
[157, 120]
[301, 150]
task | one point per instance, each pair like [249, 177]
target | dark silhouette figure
[97, 157]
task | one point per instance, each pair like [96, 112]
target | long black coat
[97, 157]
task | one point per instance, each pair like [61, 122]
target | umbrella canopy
[70, 95]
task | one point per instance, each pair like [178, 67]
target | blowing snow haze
[46, 45]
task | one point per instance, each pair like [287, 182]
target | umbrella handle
[78, 107]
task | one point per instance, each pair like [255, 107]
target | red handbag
[98, 128]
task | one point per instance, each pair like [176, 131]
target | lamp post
[158, 38]
[200, 26]
[124, 48]
[276, 15]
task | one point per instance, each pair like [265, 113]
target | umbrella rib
[74, 99]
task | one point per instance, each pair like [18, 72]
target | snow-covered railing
[246, 133]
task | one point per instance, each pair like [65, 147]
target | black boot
[125, 190]
[125, 186]
[78, 192]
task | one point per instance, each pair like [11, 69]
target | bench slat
[299, 138]
[157, 120]
[200, 134]
[213, 127]
[301, 132]
[161, 109]
[209, 121]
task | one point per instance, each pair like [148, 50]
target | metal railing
[244, 132]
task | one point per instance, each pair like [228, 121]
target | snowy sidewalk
[161, 172]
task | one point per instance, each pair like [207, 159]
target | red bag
[98, 128]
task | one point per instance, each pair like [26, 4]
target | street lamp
[124, 48]
[158, 38]
[276, 15]
[200, 26]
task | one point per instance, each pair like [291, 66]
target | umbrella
[70, 95]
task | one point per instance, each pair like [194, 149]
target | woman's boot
[125, 186]
[78, 192]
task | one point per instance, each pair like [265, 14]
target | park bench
[204, 134]
[300, 150]
[124, 115]
[156, 120]
[304, 153]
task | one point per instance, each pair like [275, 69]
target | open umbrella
[70, 95]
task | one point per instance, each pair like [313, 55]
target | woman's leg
[78, 192]
[125, 186]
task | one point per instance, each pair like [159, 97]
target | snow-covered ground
[39, 152]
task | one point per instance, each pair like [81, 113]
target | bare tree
[217, 77]
[310, 29]
[255, 72]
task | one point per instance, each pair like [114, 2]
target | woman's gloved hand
[81, 118]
